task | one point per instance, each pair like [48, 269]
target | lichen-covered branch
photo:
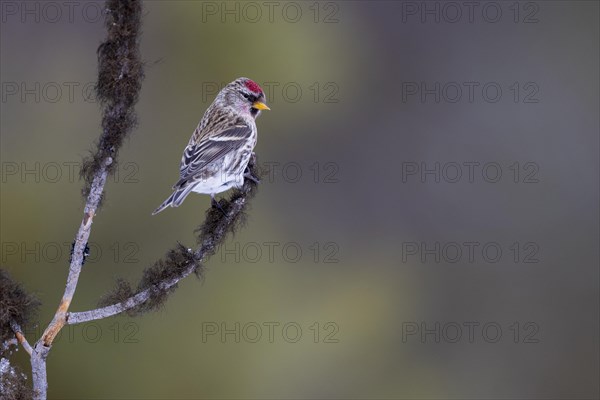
[81, 240]
[160, 279]
[120, 74]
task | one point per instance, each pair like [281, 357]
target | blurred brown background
[354, 277]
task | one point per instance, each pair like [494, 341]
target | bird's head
[244, 96]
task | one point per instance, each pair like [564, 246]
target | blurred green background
[329, 244]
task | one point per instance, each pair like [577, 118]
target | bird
[217, 155]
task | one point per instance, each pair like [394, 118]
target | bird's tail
[175, 199]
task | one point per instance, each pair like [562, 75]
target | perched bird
[220, 148]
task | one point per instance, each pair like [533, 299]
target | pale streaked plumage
[221, 146]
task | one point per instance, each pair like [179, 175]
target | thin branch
[119, 80]
[132, 302]
[223, 223]
[21, 337]
[81, 241]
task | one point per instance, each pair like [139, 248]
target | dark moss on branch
[120, 75]
[121, 292]
[219, 222]
[15, 305]
[173, 266]
[160, 280]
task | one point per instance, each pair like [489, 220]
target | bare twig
[21, 337]
[81, 241]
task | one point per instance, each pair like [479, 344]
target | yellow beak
[259, 105]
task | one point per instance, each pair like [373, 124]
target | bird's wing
[212, 148]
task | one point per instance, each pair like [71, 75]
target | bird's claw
[217, 205]
[248, 175]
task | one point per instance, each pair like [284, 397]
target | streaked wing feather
[212, 148]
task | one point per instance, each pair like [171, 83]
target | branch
[81, 240]
[21, 337]
[119, 80]
[38, 371]
[42, 347]
[212, 232]
[120, 74]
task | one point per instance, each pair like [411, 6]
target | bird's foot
[215, 204]
[248, 175]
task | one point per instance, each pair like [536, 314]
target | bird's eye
[249, 97]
